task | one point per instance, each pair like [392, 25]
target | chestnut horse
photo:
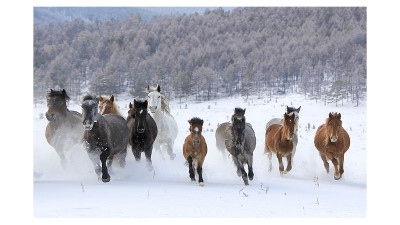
[332, 141]
[195, 149]
[279, 140]
[64, 128]
[107, 105]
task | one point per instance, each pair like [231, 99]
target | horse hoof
[201, 184]
[337, 178]
[105, 180]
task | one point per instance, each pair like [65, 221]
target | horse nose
[87, 125]
[50, 116]
[196, 142]
[141, 130]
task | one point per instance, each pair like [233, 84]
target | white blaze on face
[196, 130]
[141, 111]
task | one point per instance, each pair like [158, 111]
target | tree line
[319, 52]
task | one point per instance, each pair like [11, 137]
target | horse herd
[107, 135]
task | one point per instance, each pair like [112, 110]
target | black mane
[239, 111]
[140, 103]
[62, 94]
[196, 120]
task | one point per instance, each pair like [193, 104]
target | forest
[319, 52]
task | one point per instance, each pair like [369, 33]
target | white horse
[166, 124]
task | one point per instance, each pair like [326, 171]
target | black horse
[143, 131]
[104, 137]
[64, 128]
[240, 141]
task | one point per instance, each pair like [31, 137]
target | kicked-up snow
[134, 192]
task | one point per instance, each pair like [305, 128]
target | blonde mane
[115, 105]
[164, 100]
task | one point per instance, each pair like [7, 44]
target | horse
[279, 140]
[332, 141]
[107, 105]
[289, 110]
[240, 141]
[195, 149]
[166, 124]
[142, 131]
[64, 128]
[105, 137]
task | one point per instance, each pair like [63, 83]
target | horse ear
[244, 111]
[330, 115]
[63, 92]
[298, 110]
[145, 103]
[112, 98]
[190, 121]
[158, 88]
[340, 116]
[130, 105]
[148, 88]
[134, 102]
[100, 98]
[51, 90]
[202, 121]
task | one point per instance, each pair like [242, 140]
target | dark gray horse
[64, 128]
[104, 137]
[239, 139]
[143, 131]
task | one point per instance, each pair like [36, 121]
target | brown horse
[65, 127]
[332, 141]
[107, 105]
[279, 140]
[195, 148]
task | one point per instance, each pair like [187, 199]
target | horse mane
[333, 115]
[290, 109]
[63, 94]
[90, 97]
[196, 120]
[164, 100]
[138, 103]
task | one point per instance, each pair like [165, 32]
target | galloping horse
[143, 131]
[104, 137]
[64, 128]
[279, 140]
[332, 141]
[240, 141]
[195, 149]
[107, 105]
[289, 110]
[166, 124]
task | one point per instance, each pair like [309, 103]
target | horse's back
[273, 121]
[220, 135]
[270, 134]
[250, 137]
[346, 139]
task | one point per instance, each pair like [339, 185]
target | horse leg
[289, 163]
[136, 152]
[95, 160]
[170, 149]
[63, 160]
[250, 166]
[335, 164]
[191, 172]
[200, 173]
[240, 168]
[341, 161]
[147, 153]
[269, 153]
[109, 164]
[279, 156]
[326, 164]
[121, 158]
[103, 158]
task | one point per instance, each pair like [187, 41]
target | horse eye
[159, 96]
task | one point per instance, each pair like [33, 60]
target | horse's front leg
[103, 158]
[250, 166]
[240, 168]
[96, 162]
[289, 163]
[335, 164]
[200, 170]
[191, 172]
[279, 156]
[341, 161]
[170, 149]
[326, 164]
[147, 153]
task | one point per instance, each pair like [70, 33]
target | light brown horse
[65, 127]
[279, 140]
[195, 149]
[107, 105]
[332, 141]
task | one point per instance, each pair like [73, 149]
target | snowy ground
[307, 191]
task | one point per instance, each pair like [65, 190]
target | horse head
[154, 98]
[196, 126]
[238, 126]
[334, 125]
[139, 113]
[56, 103]
[289, 125]
[106, 105]
[89, 111]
